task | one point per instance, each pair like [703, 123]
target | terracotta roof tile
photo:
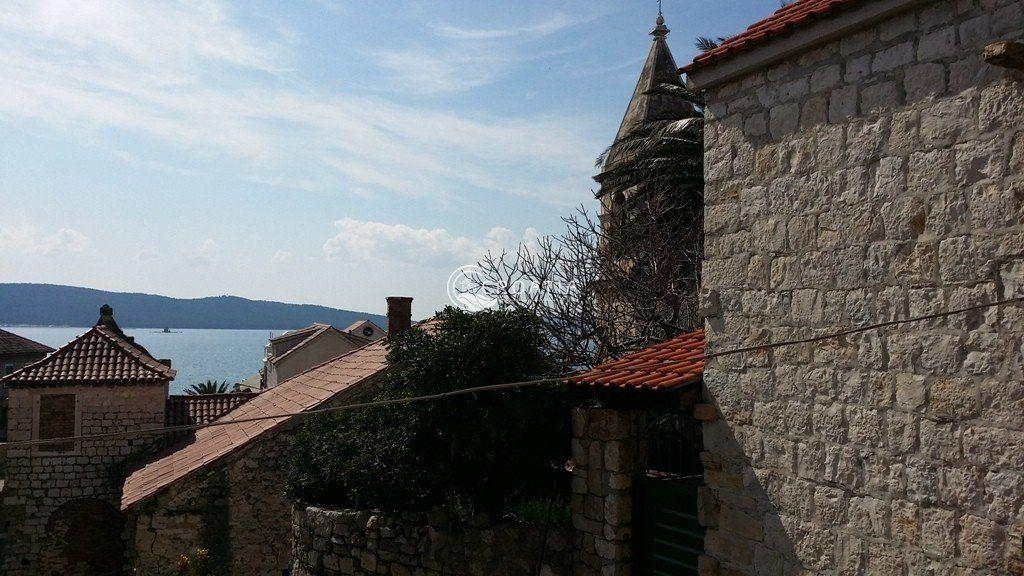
[100, 356]
[202, 408]
[668, 364]
[304, 392]
[12, 344]
[784, 20]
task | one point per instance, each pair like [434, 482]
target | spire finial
[660, 30]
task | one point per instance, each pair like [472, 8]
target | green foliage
[474, 451]
[195, 564]
[208, 387]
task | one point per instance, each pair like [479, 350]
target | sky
[327, 152]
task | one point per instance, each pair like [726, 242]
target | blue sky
[317, 151]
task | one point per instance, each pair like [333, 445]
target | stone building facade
[866, 167]
[350, 542]
[60, 501]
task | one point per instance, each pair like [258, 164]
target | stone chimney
[399, 314]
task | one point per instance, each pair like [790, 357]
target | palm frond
[705, 44]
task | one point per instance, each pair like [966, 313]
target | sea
[197, 355]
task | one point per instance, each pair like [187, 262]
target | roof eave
[775, 49]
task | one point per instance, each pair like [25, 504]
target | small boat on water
[166, 331]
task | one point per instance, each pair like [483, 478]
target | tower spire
[660, 30]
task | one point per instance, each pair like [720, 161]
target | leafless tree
[620, 282]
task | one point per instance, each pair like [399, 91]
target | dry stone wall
[360, 543]
[876, 177]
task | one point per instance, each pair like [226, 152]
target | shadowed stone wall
[872, 178]
[346, 542]
[237, 510]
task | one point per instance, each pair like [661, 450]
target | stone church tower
[60, 501]
[648, 103]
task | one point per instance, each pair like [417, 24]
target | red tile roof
[668, 364]
[100, 356]
[784, 20]
[190, 409]
[14, 345]
[304, 392]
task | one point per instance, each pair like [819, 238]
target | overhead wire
[490, 387]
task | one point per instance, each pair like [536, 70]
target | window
[368, 331]
[56, 420]
[8, 369]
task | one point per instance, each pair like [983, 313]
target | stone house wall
[237, 510]
[347, 542]
[38, 485]
[875, 177]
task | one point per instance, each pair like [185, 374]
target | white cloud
[168, 34]
[63, 240]
[550, 25]
[226, 100]
[281, 256]
[26, 238]
[443, 72]
[202, 255]
[376, 241]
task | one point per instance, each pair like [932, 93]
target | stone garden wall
[345, 542]
[876, 177]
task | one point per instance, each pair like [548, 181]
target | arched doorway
[83, 538]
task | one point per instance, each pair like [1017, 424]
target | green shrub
[473, 451]
[195, 564]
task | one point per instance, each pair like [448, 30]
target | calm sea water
[197, 355]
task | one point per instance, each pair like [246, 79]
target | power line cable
[860, 329]
[491, 387]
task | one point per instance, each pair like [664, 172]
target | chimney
[106, 315]
[399, 314]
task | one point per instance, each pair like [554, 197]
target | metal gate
[668, 537]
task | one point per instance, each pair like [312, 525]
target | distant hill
[54, 305]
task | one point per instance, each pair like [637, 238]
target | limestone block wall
[236, 509]
[38, 485]
[348, 542]
[607, 449]
[872, 178]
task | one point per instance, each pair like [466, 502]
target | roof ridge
[150, 365]
[781, 21]
[145, 359]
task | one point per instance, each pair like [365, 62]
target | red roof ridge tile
[672, 363]
[782, 21]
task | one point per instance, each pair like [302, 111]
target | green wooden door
[667, 538]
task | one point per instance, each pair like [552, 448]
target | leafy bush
[195, 564]
[474, 451]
